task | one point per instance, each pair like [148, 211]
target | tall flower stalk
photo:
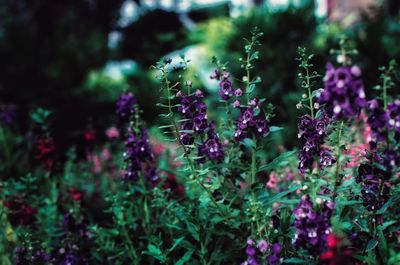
[164, 68]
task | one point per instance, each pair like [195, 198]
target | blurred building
[347, 12]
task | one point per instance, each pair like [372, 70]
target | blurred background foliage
[76, 57]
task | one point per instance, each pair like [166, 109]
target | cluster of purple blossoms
[73, 226]
[22, 257]
[251, 120]
[377, 119]
[312, 133]
[194, 113]
[343, 94]
[375, 186]
[226, 90]
[312, 227]
[126, 106]
[70, 256]
[393, 110]
[138, 157]
[256, 252]
[212, 147]
[195, 123]
[8, 114]
[381, 121]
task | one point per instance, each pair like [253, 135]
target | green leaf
[344, 202]
[383, 246]
[155, 252]
[275, 129]
[295, 261]
[385, 206]
[276, 197]
[386, 225]
[185, 257]
[176, 243]
[279, 161]
[193, 231]
[251, 88]
[371, 245]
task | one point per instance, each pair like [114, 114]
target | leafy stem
[175, 126]
[337, 178]
[306, 77]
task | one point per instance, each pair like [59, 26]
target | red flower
[338, 252]
[90, 135]
[172, 184]
[46, 152]
[19, 212]
[333, 240]
[75, 194]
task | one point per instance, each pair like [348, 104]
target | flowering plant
[204, 187]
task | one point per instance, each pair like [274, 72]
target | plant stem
[308, 84]
[130, 248]
[253, 167]
[185, 150]
[146, 210]
[384, 86]
[6, 149]
[248, 77]
[338, 179]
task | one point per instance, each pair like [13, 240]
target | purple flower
[261, 127]
[263, 246]
[312, 227]
[195, 123]
[137, 154]
[250, 251]
[343, 95]
[275, 257]
[70, 259]
[236, 104]
[393, 112]
[238, 92]
[255, 102]
[40, 257]
[326, 158]
[216, 74]
[21, 257]
[377, 119]
[8, 114]
[375, 186]
[312, 133]
[248, 123]
[126, 106]
[252, 255]
[225, 90]
[212, 147]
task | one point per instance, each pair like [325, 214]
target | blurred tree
[47, 49]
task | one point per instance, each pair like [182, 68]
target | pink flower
[272, 182]
[112, 133]
[105, 154]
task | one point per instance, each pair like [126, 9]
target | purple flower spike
[343, 94]
[312, 227]
[126, 106]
